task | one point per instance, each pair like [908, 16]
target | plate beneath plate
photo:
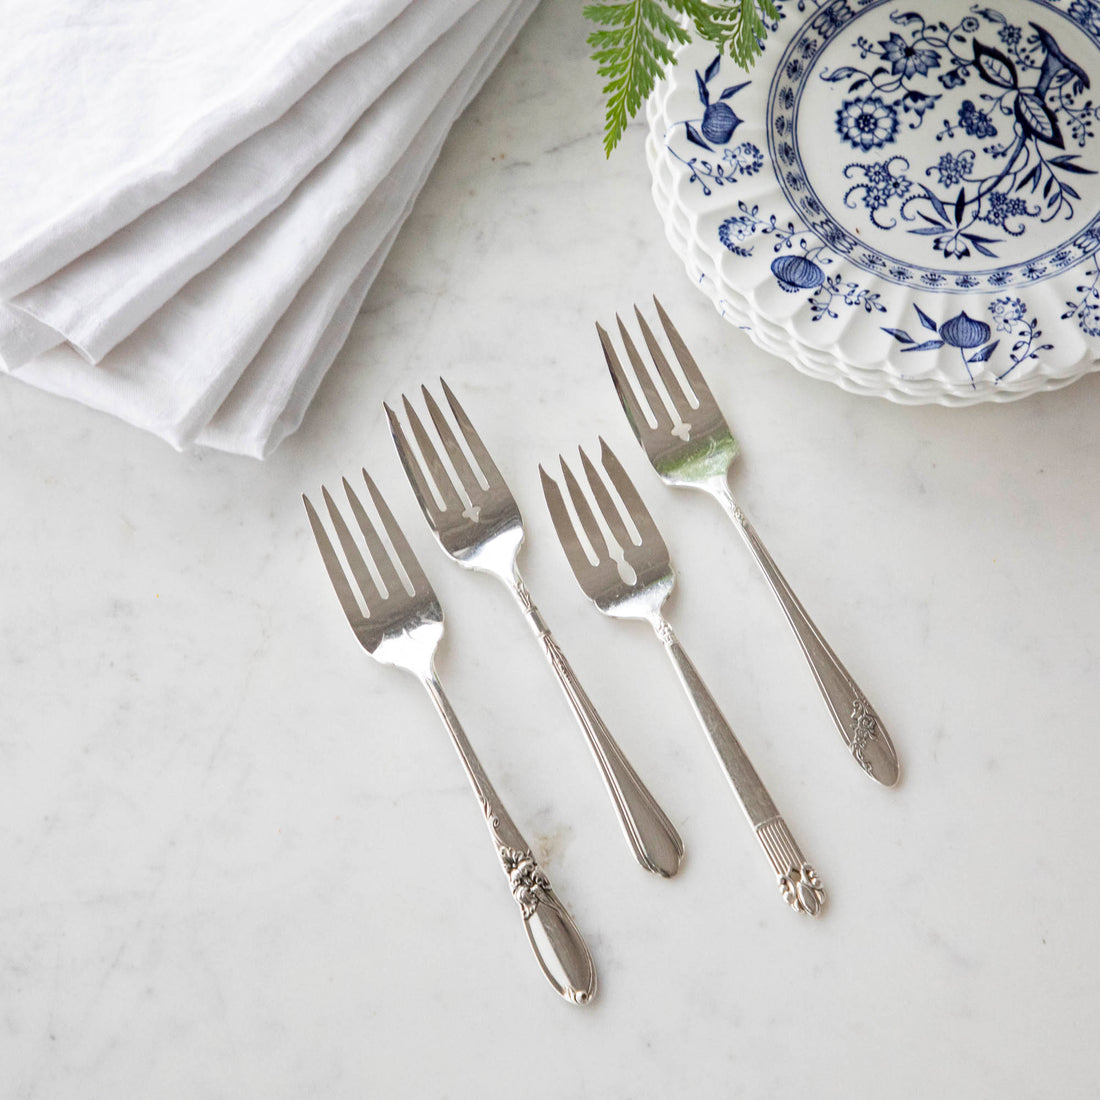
[903, 206]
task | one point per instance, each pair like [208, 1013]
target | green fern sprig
[636, 38]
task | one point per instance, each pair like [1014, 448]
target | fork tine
[354, 558]
[375, 547]
[477, 448]
[421, 584]
[680, 401]
[639, 513]
[413, 471]
[657, 407]
[563, 525]
[335, 570]
[627, 398]
[434, 464]
[458, 458]
[584, 513]
[608, 507]
[686, 359]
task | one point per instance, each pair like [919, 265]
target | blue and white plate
[906, 205]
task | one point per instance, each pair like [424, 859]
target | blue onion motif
[962, 331]
[719, 122]
[795, 273]
[719, 119]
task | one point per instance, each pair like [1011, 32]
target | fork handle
[559, 947]
[652, 837]
[855, 718]
[797, 880]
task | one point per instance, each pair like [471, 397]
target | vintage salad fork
[631, 579]
[688, 442]
[484, 532]
[402, 625]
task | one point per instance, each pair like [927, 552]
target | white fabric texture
[110, 106]
[263, 323]
[104, 295]
[271, 398]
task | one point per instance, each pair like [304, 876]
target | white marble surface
[240, 860]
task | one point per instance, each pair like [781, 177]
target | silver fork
[402, 626]
[695, 447]
[631, 579]
[485, 532]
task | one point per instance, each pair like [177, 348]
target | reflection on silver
[402, 625]
[484, 531]
[643, 599]
[698, 451]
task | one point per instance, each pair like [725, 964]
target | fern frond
[631, 51]
[737, 28]
[634, 45]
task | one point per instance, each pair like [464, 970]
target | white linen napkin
[269, 401]
[104, 295]
[171, 375]
[110, 106]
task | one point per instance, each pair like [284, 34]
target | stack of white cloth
[195, 198]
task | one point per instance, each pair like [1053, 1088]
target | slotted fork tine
[563, 525]
[681, 401]
[405, 556]
[686, 360]
[611, 514]
[635, 414]
[481, 455]
[635, 506]
[584, 513]
[638, 413]
[646, 383]
[458, 458]
[417, 478]
[354, 558]
[348, 602]
[383, 562]
[430, 458]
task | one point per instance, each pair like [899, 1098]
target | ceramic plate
[907, 205]
[778, 341]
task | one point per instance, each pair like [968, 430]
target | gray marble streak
[239, 859]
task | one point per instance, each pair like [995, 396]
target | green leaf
[633, 45]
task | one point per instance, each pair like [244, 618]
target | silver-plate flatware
[631, 579]
[484, 531]
[689, 443]
[401, 624]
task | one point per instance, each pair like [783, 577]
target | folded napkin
[262, 324]
[104, 295]
[269, 402]
[110, 106]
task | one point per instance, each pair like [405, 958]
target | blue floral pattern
[1021, 83]
[971, 337]
[1005, 163]
[966, 139]
[867, 123]
[714, 129]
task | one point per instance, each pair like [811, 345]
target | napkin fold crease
[212, 315]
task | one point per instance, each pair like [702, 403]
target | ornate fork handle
[558, 946]
[797, 880]
[855, 718]
[653, 838]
